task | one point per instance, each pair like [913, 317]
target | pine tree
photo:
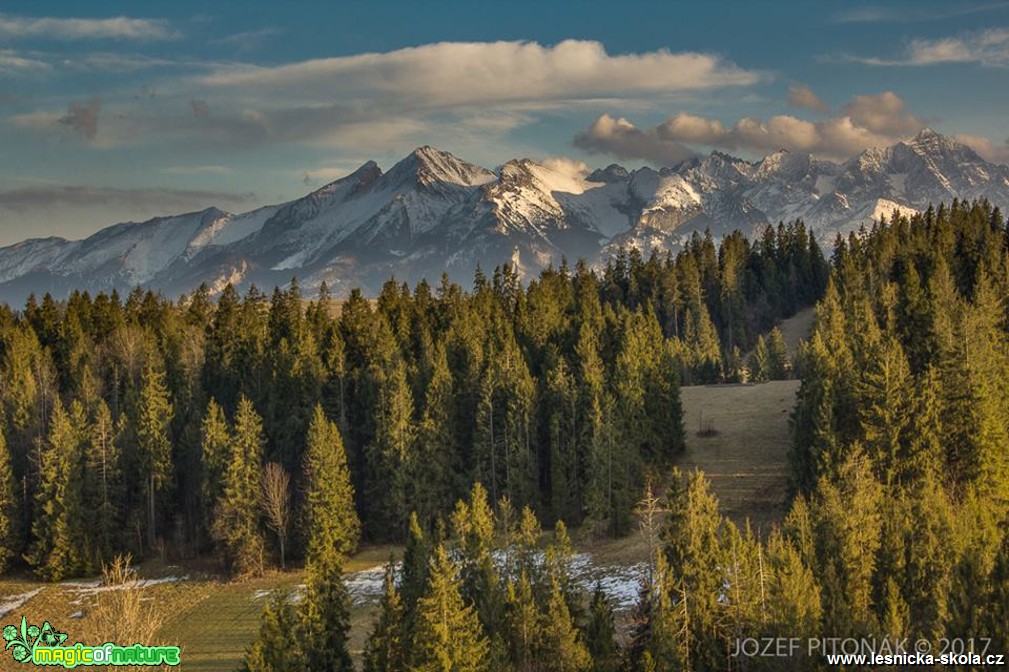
[276, 647]
[10, 509]
[324, 617]
[104, 486]
[524, 623]
[562, 646]
[759, 362]
[329, 518]
[57, 525]
[236, 516]
[600, 632]
[448, 636]
[215, 446]
[416, 564]
[777, 355]
[154, 416]
[387, 648]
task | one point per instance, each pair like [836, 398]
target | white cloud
[449, 74]
[867, 121]
[987, 48]
[120, 28]
[985, 147]
[13, 63]
[878, 14]
[800, 95]
[621, 138]
[883, 113]
[466, 92]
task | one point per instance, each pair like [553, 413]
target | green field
[213, 621]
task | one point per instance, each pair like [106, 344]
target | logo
[45, 646]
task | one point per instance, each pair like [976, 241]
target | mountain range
[433, 213]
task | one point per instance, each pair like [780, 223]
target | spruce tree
[600, 633]
[154, 416]
[330, 521]
[237, 515]
[562, 647]
[324, 617]
[777, 355]
[415, 567]
[10, 509]
[524, 623]
[387, 649]
[759, 362]
[104, 486]
[448, 635]
[215, 447]
[276, 647]
[57, 527]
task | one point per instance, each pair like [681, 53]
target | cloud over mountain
[866, 121]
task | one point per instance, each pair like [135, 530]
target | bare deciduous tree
[275, 499]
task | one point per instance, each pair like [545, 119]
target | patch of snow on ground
[14, 602]
[620, 583]
[87, 588]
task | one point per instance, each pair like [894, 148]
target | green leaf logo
[23, 642]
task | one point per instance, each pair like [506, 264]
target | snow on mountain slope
[432, 213]
[230, 228]
[33, 254]
[135, 253]
[369, 207]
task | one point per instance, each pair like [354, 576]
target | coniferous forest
[261, 430]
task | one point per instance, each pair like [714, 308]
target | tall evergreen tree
[563, 649]
[237, 515]
[104, 484]
[10, 510]
[448, 635]
[332, 528]
[215, 446]
[276, 647]
[154, 415]
[387, 648]
[56, 551]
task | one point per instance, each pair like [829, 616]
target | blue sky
[113, 111]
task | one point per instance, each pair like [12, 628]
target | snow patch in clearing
[87, 588]
[14, 602]
[620, 583]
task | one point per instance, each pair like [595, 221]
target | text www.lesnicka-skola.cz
[873, 651]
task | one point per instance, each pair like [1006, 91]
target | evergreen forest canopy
[145, 425]
[142, 425]
[898, 521]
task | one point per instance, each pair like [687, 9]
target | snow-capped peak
[427, 166]
[433, 212]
